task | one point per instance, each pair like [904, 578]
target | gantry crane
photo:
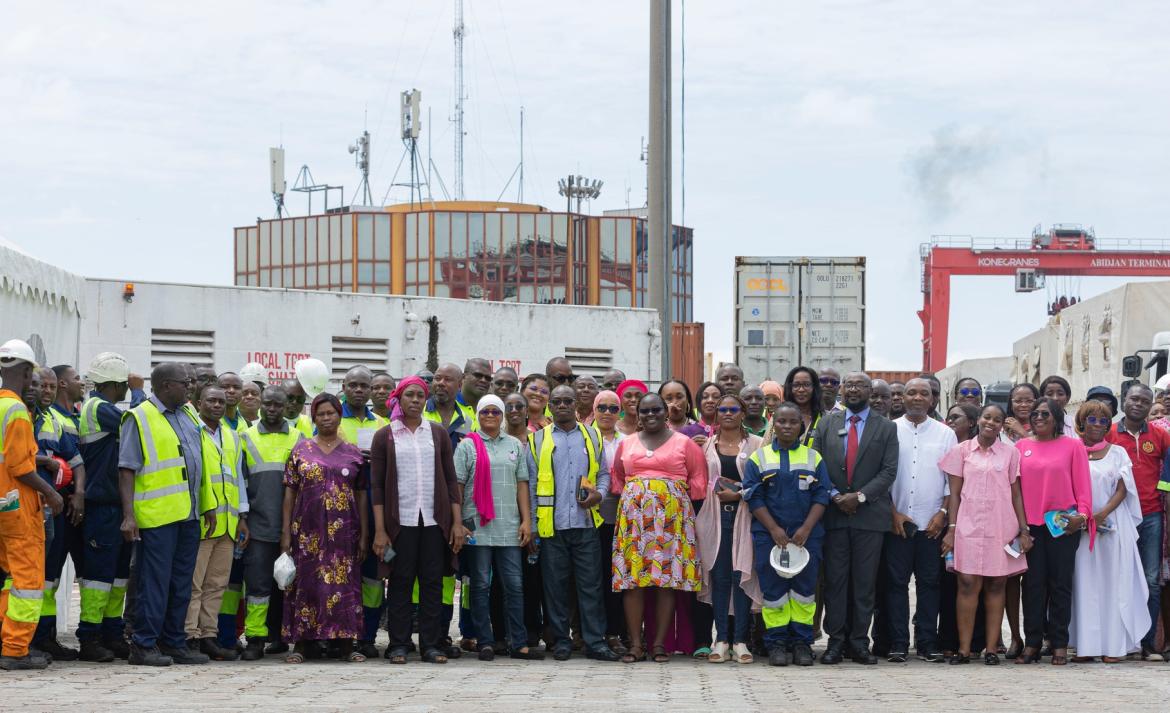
[1063, 250]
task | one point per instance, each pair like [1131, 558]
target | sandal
[295, 657]
[397, 655]
[1028, 655]
[1111, 659]
[1016, 649]
[660, 655]
[1060, 659]
[718, 652]
[434, 656]
[741, 653]
[991, 659]
[355, 657]
[615, 643]
[634, 654]
[702, 652]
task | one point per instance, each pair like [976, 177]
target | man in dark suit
[860, 449]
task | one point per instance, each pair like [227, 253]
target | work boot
[55, 650]
[92, 650]
[184, 655]
[215, 652]
[148, 657]
[23, 663]
[276, 647]
[367, 649]
[118, 647]
[254, 651]
[802, 655]
[778, 656]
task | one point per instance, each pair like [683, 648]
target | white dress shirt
[921, 486]
[414, 453]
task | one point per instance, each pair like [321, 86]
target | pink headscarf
[607, 393]
[482, 483]
[631, 383]
[392, 402]
[773, 388]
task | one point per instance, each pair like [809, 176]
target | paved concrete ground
[583, 685]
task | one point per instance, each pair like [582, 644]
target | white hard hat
[254, 372]
[108, 367]
[313, 375]
[797, 559]
[1163, 383]
[16, 350]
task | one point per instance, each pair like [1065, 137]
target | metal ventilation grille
[594, 362]
[349, 352]
[182, 345]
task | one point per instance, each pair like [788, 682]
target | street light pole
[658, 226]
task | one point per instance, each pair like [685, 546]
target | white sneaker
[718, 652]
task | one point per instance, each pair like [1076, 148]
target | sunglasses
[562, 402]
[537, 390]
[828, 381]
[607, 408]
[970, 392]
[727, 409]
[492, 412]
[1040, 415]
[564, 378]
[510, 408]
[1098, 421]
[651, 411]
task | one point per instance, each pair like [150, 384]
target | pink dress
[987, 520]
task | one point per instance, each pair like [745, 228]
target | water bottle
[534, 556]
[949, 561]
[238, 550]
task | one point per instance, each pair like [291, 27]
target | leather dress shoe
[832, 655]
[864, 657]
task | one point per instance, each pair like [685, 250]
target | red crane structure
[1063, 250]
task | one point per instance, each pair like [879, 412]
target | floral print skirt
[654, 542]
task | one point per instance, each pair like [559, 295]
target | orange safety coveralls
[22, 529]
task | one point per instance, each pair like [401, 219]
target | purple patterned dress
[324, 601]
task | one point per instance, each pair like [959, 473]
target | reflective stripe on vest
[220, 486]
[89, 430]
[542, 446]
[160, 488]
[268, 452]
[767, 459]
[12, 409]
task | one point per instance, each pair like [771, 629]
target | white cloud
[831, 107]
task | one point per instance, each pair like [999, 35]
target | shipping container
[791, 311]
[686, 352]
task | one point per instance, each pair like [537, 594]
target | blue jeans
[725, 589]
[503, 562]
[1150, 551]
[166, 565]
[573, 555]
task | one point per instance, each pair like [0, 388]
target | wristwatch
[860, 497]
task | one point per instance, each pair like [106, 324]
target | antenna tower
[361, 150]
[459, 31]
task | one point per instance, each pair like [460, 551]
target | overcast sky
[134, 136]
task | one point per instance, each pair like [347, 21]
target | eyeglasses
[1098, 421]
[510, 408]
[562, 402]
[607, 408]
[491, 412]
[564, 378]
[728, 409]
[828, 381]
[970, 392]
[1040, 415]
[537, 390]
[1024, 400]
[651, 411]
[801, 385]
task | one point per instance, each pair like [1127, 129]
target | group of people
[593, 515]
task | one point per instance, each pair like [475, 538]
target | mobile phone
[1013, 548]
[388, 554]
[910, 528]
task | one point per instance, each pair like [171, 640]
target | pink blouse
[1054, 475]
[679, 458]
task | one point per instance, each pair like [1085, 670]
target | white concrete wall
[278, 327]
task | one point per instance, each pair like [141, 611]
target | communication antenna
[361, 150]
[459, 31]
[276, 178]
[410, 129]
[644, 157]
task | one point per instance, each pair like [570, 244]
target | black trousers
[533, 602]
[851, 567]
[948, 617]
[615, 615]
[919, 556]
[422, 553]
[1048, 586]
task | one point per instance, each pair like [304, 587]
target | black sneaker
[56, 651]
[118, 647]
[148, 657]
[932, 657]
[215, 652]
[254, 651]
[276, 647]
[367, 649]
[185, 656]
[802, 655]
[897, 657]
[778, 657]
[23, 663]
[93, 651]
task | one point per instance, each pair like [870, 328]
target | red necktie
[851, 449]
